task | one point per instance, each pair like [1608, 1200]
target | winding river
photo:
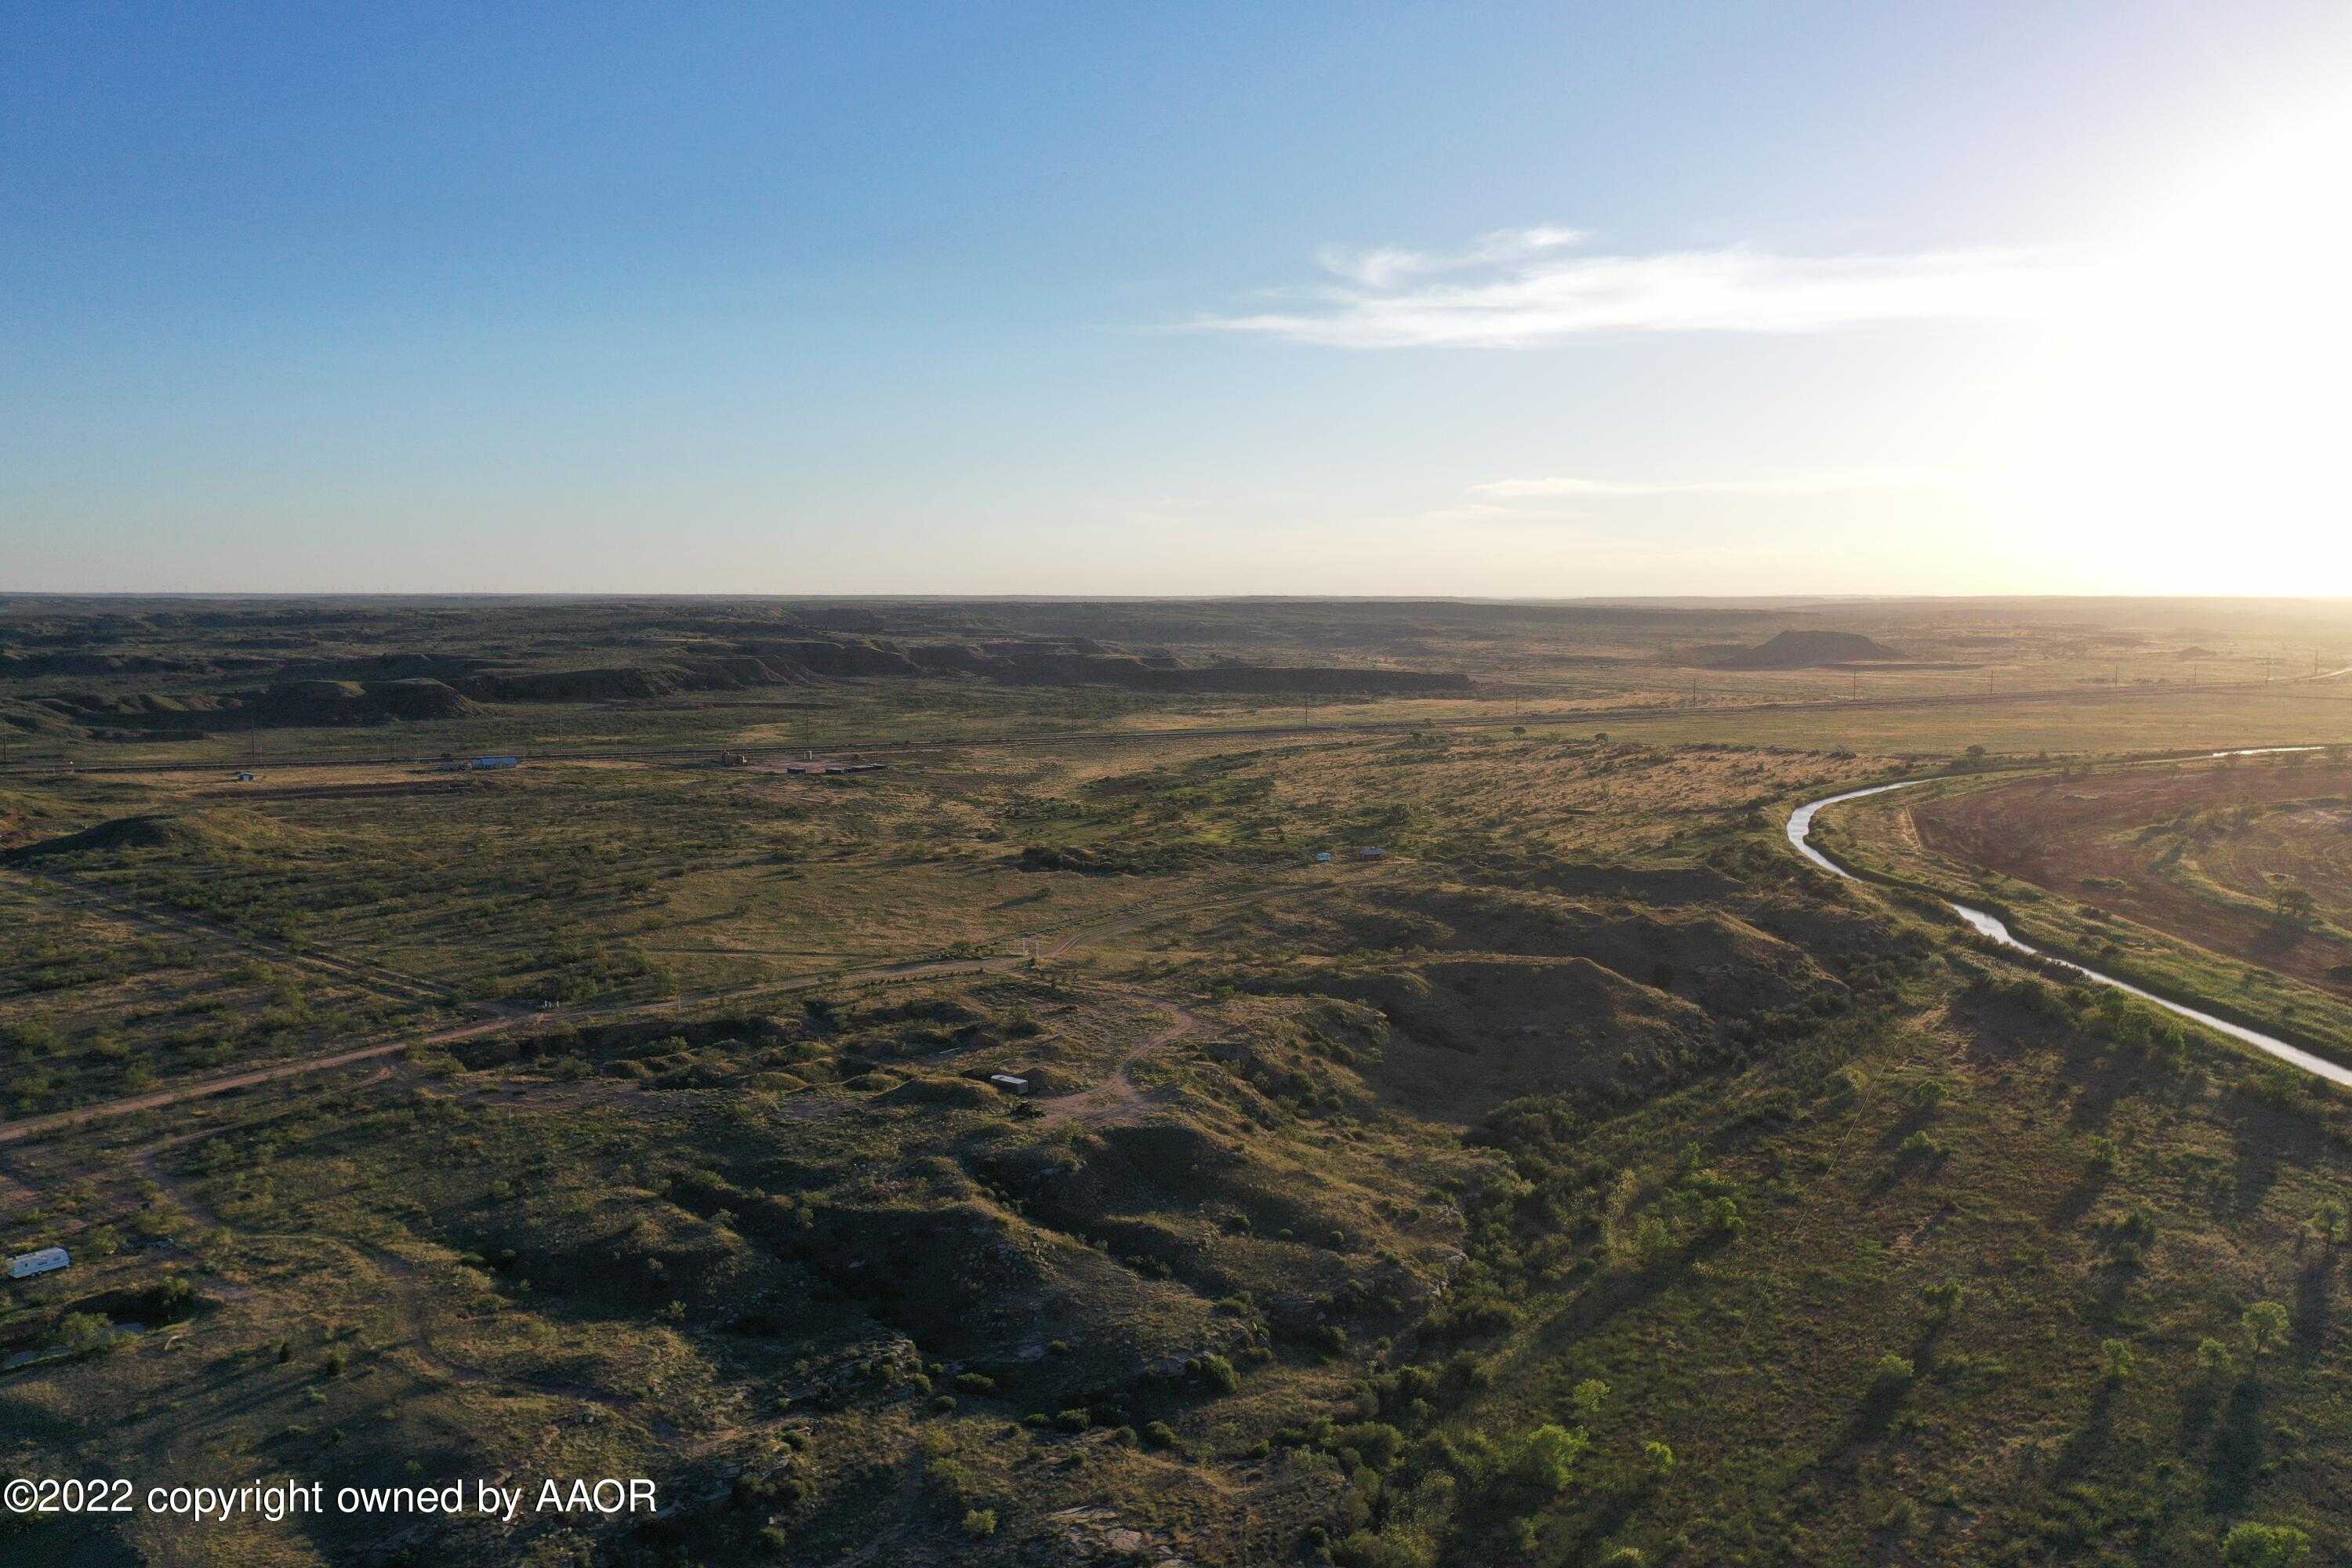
[1801, 829]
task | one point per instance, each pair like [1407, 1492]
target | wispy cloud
[1515, 289]
[1385, 266]
[1831, 482]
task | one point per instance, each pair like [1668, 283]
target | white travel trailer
[47, 1260]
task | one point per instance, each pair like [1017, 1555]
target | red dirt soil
[2059, 834]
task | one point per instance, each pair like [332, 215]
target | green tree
[2294, 905]
[1544, 1459]
[2265, 1323]
[2252, 1545]
[1589, 1396]
[85, 1333]
[1659, 1457]
[1944, 1299]
[2116, 1360]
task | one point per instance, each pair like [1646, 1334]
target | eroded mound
[1808, 650]
[159, 831]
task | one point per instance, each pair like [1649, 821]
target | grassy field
[1583, 1179]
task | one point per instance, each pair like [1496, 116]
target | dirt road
[1115, 1100]
[1064, 939]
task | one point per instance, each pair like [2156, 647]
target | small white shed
[47, 1260]
[1007, 1081]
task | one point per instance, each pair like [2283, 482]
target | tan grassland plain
[1580, 1178]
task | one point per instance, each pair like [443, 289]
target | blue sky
[1491, 300]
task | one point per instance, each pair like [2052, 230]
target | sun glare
[2192, 412]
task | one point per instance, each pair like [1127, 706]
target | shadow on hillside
[2087, 1442]
[1613, 1293]
[2236, 1460]
[2076, 1200]
[2200, 1402]
[2270, 1137]
[2313, 1285]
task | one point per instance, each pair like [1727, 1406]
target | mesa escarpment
[123, 689]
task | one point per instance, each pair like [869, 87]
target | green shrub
[88, 1333]
[1213, 1373]
[980, 1524]
[1375, 1442]
[2252, 1545]
[1385, 1550]
[1920, 1145]
[2265, 1323]
[1543, 1461]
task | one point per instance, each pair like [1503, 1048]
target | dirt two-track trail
[1115, 1100]
[504, 1017]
